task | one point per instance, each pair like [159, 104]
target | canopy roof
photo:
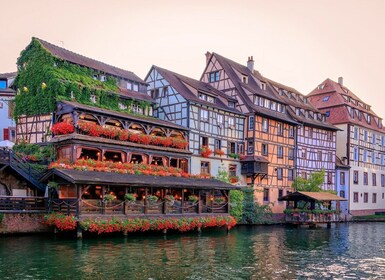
[117, 179]
[306, 196]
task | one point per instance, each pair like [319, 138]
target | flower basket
[169, 199]
[109, 197]
[205, 151]
[152, 199]
[62, 128]
[130, 197]
[219, 152]
[233, 179]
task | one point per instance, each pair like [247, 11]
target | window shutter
[6, 133]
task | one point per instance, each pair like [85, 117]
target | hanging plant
[205, 151]
[130, 197]
[62, 128]
[152, 199]
[219, 152]
[169, 199]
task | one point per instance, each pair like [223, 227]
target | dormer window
[369, 119]
[95, 77]
[305, 100]
[244, 79]
[231, 104]
[206, 97]
[129, 85]
[135, 87]
[122, 106]
[281, 92]
[321, 86]
[326, 98]
[214, 76]
[273, 106]
[137, 109]
[263, 86]
[327, 113]
[103, 78]
[155, 93]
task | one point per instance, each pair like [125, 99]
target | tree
[313, 184]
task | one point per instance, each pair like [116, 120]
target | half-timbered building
[361, 142]
[270, 130]
[216, 126]
[315, 137]
[71, 76]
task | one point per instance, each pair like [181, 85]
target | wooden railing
[312, 218]
[23, 204]
[65, 206]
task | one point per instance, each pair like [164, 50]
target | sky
[299, 43]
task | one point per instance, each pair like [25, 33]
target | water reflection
[347, 251]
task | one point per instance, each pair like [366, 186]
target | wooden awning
[117, 179]
[308, 196]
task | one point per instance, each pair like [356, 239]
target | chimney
[341, 81]
[250, 63]
[208, 55]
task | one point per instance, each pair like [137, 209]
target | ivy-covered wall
[43, 79]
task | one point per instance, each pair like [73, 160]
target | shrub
[236, 204]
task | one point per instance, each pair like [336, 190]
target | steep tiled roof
[89, 62]
[182, 83]
[135, 95]
[8, 75]
[336, 99]
[270, 92]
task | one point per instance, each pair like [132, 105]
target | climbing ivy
[44, 79]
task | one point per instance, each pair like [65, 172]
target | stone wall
[21, 223]
[366, 212]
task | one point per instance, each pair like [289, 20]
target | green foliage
[313, 184]
[129, 197]
[253, 212]
[236, 204]
[35, 152]
[44, 79]
[1, 217]
[53, 184]
[223, 175]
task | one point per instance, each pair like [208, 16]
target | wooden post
[212, 201]
[182, 202]
[103, 204]
[79, 195]
[228, 202]
[199, 202]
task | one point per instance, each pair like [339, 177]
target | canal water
[348, 251]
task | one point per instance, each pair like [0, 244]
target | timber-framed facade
[212, 121]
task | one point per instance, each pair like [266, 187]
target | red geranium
[61, 128]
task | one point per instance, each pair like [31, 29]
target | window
[204, 141]
[3, 84]
[93, 98]
[374, 198]
[220, 120]
[205, 167]
[330, 177]
[279, 173]
[241, 149]
[355, 197]
[280, 152]
[122, 106]
[291, 153]
[280, 129]
[103, 78]
[382, 180]
[232, 147]
[214, 76]
[382, 140]
[1, 105]
[310, 132]
[129, 85]
[319, 156]
[263, 86]
[330, 156]
[137, 109]
[280, 193]
[382, 159]
[165, 91]
[204, 115]
[355, 153]
[231, 122]
[251, 122]
[232, 170]
[155, 93]
[265, 125]
[135, 87]
[217, 144]
[244, 79]
[374, 139]
[366, 178]
[265, 194]
[342, 194]
[290, 174]
[231, 104]
[12, 134]
[374, 157]
[304, 174]
[374, 179]
[329, 135]
[265, 150]
[291, 131]
[250, 147]
[303, 153]
[355, 177]
[342, 178]
[356, 133]
[366, 197]
[366, 136]
[365, 159]
[6, 133]
[327, 114]
[326, 98]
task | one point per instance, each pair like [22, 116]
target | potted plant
[129, 197]
[193, 198]
[169, 199]
[205, 151]
[152, 199]
[109, 197]
[219, 200]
